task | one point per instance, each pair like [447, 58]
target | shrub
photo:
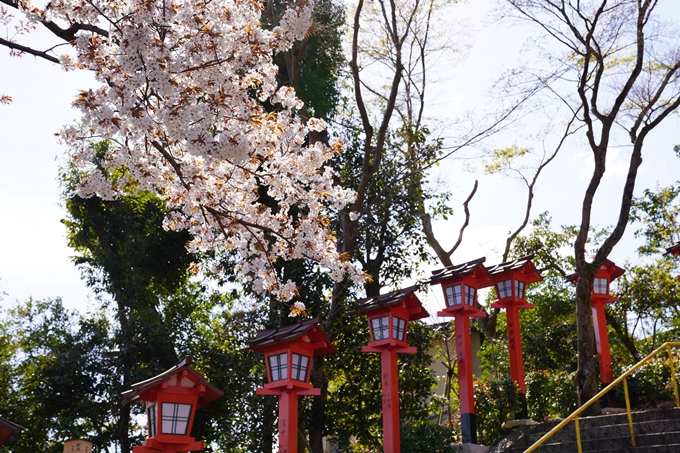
[496, 401]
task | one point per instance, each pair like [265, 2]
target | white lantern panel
[453, 295]
[300, 367]
[600, 286]
[175, 418]
[470, 295]
[380, 328]
[519, 289]
[398, 328]
[153, 421]
[278, 366]
[504, 289]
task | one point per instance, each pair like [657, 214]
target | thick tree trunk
[587, 382]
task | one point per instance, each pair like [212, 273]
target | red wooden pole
[288, 422]
[603, 351]
[516, 359]
[465, 389]
[390, 401]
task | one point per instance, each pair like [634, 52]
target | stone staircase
[656, 431]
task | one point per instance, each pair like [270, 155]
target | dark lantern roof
[211, 393]
[8, 431]
[673, 250]
[523, 264]
[406, 295]
[292, 332]
[471, 267]
[614, 271]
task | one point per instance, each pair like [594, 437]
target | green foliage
[657, 211]
[649, 303]
[59, 379]
[354, 403]
[496, 401]
[649, 386]
[425, 437]
[502, 159]
[550, 394]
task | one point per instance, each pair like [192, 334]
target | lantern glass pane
[504, 289]
[300, 367]
[380, 328]
[153, 421]
[470, 294]
[398, 328]
[519, 289]
[175, 418]
[278, 366]
[453, 295]
[600, 286]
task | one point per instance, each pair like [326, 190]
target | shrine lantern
[171, 400]
[8, 431]
[674, 250]
[600, 296]
[388, 318]
[510, 281]
[459, 285]
[288, 353]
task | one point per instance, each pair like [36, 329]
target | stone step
[615, 419]
[656, 431]
[610, 444]
[568, 433]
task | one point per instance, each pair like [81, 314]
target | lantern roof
[612, 269]
[286, 334]
[673, 250]
[406, 296]
[142, 390]
[474, 268]
[8, 431]
[523, 265]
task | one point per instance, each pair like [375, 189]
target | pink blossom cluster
[183, 85]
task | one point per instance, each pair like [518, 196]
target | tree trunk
[587, 382]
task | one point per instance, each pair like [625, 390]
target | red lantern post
[510, 280]
[460, 284]
[598, 298]
[171, 400]
[288, 355]
[388, 318]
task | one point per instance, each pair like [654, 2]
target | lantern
[459, 285]
[674, 250]
[510, 281]
[388, 317]
[288, 353]
[171, 400]
[8, 431]
[598, 298]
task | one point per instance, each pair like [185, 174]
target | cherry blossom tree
[188, 96]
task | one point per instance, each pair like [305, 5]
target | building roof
[211, 393]
[8, 431]
[523, 264]
[406, 296]
[673, 250]
[292, 332]
[471, 267]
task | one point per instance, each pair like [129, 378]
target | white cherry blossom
[182, 92]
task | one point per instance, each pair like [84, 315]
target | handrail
[574, 415]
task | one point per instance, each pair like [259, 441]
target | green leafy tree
[61, 382]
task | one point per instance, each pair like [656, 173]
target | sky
[35, 259]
